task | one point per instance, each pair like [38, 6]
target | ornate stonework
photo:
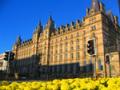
[68, 44]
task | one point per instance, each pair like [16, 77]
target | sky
[20, 17]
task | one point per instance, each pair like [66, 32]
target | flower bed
[65, 84]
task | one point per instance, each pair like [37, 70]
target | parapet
[67, 28]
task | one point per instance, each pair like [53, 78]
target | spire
[95, 5]
[50, 23]
[110, 15]
[18, 40]
[50, 20]
[39, 28]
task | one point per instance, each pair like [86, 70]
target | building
[3, 66]
[3, 63]
[62, 52]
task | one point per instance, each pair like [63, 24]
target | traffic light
[90, 47]
[12, 56]
[6, 56]
[9, 55]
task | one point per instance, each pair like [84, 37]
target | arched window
[77, 47]
[60, 45]
[66, 49]
[66, 44]
[60, 50]
[72, 48]
[60, 58]
[72, 42]
[56, 40]
[56, 58]
[77, 55]
[77, 41]
[60, 39]
[66, 38]
[71, 36]
[72, 55]
[77, 35]
[66, 55]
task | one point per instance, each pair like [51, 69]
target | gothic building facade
[63, 51]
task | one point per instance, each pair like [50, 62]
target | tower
[95, 5]
[37, 32]
[49, 28]
[36, 36]
[18, 40]
[15, 46]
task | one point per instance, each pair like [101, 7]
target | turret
[95, 5]
[38, 30]
[102, 7]
[49, 28]
[50, 23]
[18, 41]
[116, 20]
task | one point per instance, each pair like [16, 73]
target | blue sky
[20, 17]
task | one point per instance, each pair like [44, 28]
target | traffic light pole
[8, 65]
[94, 66]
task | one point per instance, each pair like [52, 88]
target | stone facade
[68, 44]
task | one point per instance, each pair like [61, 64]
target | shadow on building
[71, 70]
[3, 75]
[31, 69]
[26, 68]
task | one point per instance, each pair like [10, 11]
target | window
[51, 47]
[61, 39]
[66, 56]
[51, 57]
[51, 51]
[66, 49]
[56, 57]
[77, 47]
[60, 50]
[51, 42]
[66, 38]
[92, 20]
[56, 46]
[71, 42]
[44, 47]
[77, 35]
[60, 44]
[66, 44]
[72, 56]
[56, 51]
[77, 41]
[71, 36]
[77, 55]
[93, 27]
[60, 57]
[72, 48]
[56, 40]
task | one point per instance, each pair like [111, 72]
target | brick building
[63, 51]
